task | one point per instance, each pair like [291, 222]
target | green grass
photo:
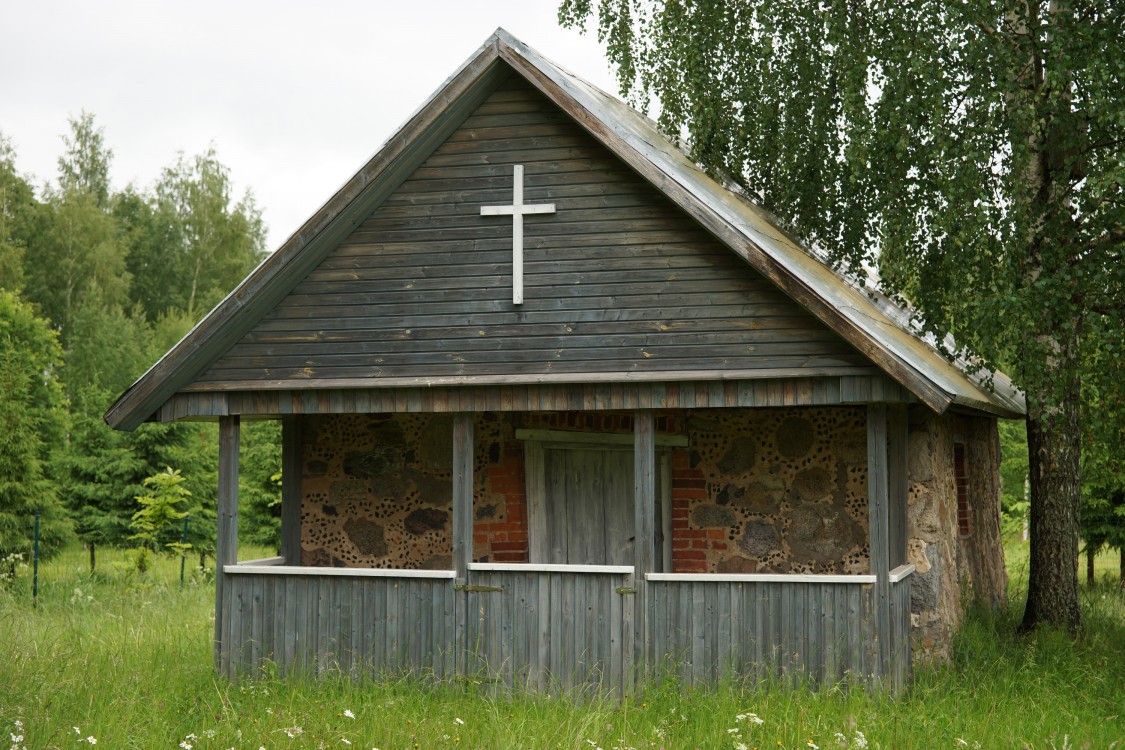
[127, 659]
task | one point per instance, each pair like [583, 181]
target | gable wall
[618, 280]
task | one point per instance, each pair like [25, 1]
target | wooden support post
[644, 510]
[291, 489]
[877, 501]
[462, 529]
[898, 482]
[226, 543]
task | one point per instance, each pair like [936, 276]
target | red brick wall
[504, 539]
[690, 546]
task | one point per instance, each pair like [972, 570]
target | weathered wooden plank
[341, 349]
[530, 364]
[644, 509]
[897, 485]
[462, 525]
[291, 490]
[548, 396]
[226, 543]
[256, 631]
[542, 655]
[878, 500]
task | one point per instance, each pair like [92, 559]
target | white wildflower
[961, 742]
[741, 746]
[348, 713]
[185, 745]
[345, 740]
[859, 740]
[458, 721]
[293, 731]
[208, 733]
[736, 730]
[92, 740]
[77, 731]
[813, 745]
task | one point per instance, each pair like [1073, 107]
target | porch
[546, 626]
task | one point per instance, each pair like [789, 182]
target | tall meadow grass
[126, 660]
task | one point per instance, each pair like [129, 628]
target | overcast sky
[295, 96]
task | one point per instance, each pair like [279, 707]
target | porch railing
[546, 627]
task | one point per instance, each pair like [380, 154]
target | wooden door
[586, 512]
[589, 504]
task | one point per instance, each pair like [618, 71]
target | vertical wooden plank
[618, 512]
[226, 543]
[556, 464]
[291, 489]
[644, 509]
[557, 661]
[877, 496]
[617, 669]
[377, 624]
[543, 620]
[897, 483]
[503, 624]
[321, 606]
[580, 670]
[256, 630]
[536, 489]
[462, 521]
[287, 638]
[827, 634]
[566, 617]
[848, 613]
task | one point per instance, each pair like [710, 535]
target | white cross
[517, 210]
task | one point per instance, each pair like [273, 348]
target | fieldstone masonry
[756, 491]
[951, 569]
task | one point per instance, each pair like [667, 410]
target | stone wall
[758, 490]
[772, 491]
[377, 491]
[951, 568]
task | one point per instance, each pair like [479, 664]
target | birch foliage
[970, 151]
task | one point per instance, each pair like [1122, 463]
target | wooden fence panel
[546, 631]
[703, 631]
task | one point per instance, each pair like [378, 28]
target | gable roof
[868, 321]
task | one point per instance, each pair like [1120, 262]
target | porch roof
[873, 324]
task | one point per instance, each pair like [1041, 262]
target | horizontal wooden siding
[616, 280]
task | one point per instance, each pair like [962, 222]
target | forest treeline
[96, 283]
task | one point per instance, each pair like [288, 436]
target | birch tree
[970, 151]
